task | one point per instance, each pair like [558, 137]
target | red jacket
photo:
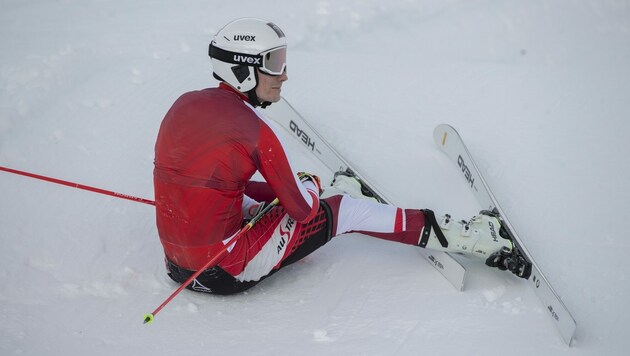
[209, 145]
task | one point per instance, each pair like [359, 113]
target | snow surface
[538, 89]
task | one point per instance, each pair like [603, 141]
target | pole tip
[148, 319]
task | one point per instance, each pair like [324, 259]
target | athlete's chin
[272, 96]
[275, 98]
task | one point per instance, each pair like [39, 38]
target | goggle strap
[235, 58]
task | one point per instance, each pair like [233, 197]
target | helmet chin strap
[253, 98]
[251, 94]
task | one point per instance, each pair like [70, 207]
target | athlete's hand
[304, 177]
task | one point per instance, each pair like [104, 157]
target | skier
[210, 144]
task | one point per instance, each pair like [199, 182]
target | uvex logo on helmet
[248, 38]
[239, 58]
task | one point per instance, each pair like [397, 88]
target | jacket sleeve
[300, 200]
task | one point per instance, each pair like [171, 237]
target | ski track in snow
[537, 89]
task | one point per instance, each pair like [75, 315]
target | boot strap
[431, 223]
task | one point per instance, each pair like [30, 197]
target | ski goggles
[272, 62]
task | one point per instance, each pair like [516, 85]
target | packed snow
[538, 89]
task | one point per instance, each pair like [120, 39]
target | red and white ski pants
[277, 240]
[277, 237]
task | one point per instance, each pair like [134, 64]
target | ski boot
[512, 260]
[482, 237]
[345, 182]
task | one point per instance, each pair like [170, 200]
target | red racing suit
[210, 144]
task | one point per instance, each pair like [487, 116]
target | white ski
[297, 127]
[449, 141]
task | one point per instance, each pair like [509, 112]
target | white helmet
[244, 45]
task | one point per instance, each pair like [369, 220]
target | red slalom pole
[78, 186]
[148, 318]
